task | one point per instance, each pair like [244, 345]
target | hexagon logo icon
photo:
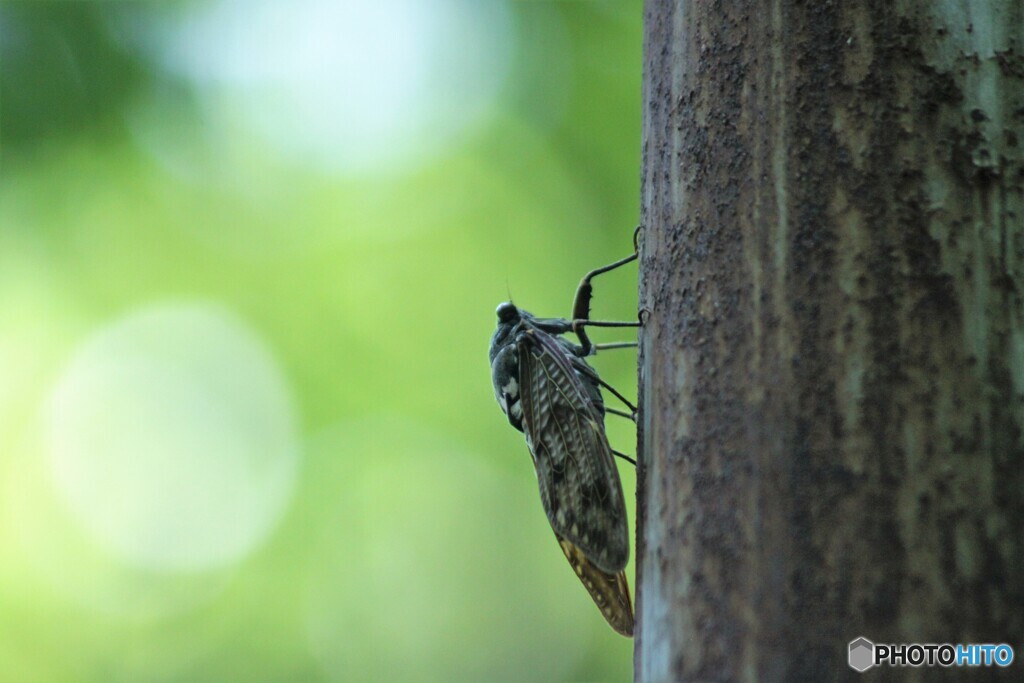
[862, 654]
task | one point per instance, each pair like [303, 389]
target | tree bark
[832, 368]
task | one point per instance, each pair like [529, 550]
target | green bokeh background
[409, 542]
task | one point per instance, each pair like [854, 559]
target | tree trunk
[832, 369]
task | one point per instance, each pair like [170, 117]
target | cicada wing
[610, 592]
[579, 484]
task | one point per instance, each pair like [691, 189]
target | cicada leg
[585, 292]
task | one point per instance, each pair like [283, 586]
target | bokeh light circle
[171, 438]
[348, 87]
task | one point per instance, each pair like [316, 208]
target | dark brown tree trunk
[832, 371]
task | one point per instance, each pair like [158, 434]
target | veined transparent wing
[579, 484]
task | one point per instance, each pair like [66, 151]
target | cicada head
[508, 318]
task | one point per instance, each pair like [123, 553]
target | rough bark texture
[832, 372]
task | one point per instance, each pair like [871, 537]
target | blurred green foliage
[410, 543]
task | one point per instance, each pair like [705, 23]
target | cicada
[550, 393]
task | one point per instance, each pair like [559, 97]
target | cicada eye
[507, 312]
